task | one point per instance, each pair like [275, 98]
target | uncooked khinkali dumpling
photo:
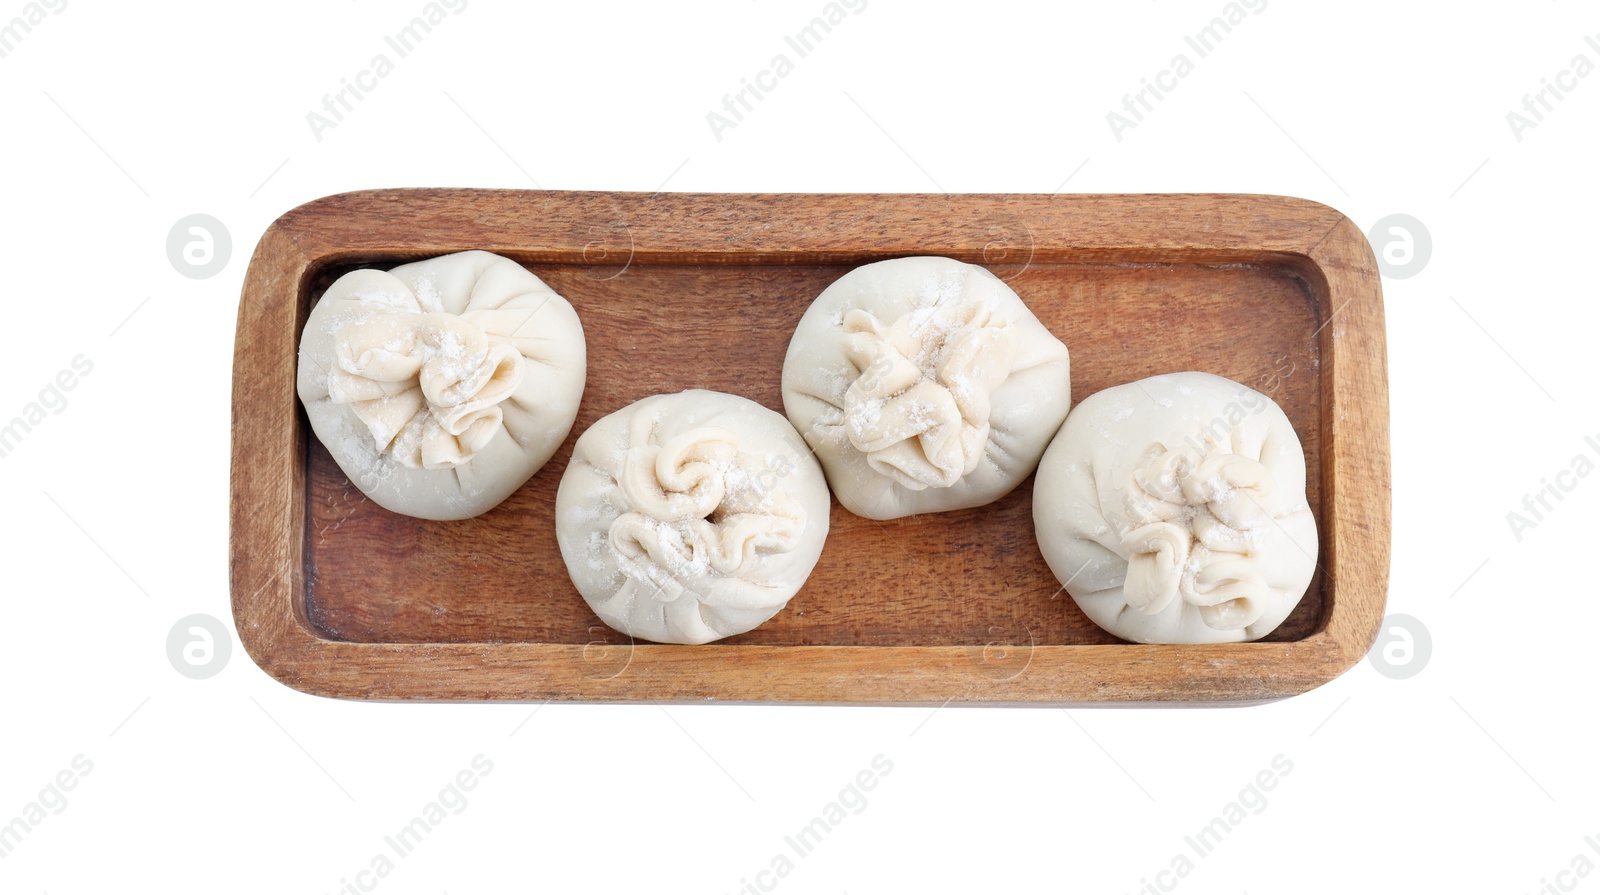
[690, 517]
[924, 384]
[1174, 511]
[441, 386]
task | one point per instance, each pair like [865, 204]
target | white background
[1475, 774]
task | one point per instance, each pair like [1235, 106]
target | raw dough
[441, 386]
[924, 384]
[1174, 510]
[690, 517]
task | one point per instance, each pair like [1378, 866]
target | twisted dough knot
[1195, 523]
[699, 508]
[920, 408]
[427, 385]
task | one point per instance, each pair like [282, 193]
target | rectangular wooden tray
[336, 596]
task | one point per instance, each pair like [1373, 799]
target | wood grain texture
[337, 596]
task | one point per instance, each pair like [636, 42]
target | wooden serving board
[336, 596]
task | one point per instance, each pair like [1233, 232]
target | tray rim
[1317, 243]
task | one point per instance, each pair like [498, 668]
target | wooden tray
[335, 596]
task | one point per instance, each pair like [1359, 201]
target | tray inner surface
[968, 577]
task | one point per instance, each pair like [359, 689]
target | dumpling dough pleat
[439, 387]
[427, 386]
[690, 517]
[1174, 511]
[924, 384]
